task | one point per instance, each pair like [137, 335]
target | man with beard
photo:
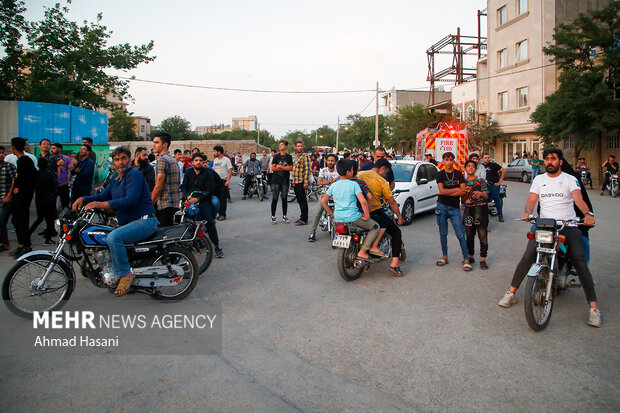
[327, 176]
[556, 191]
[251, 167]
[23, 190]
[142, 164]
[84, 172]
[301, 179]
[127, 195]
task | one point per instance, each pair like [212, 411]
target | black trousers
[224, 196]
[606, 180]
[165, 216]
[300, 193]
[21, 219]
[47, 212]
[63, 194]
[476, 221]
[282, 191]
[391, 228]
[247, 181]
[576, 252]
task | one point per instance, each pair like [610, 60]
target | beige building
[142, 127]
[395, 99]
[247, 123]
[215, 129]
[516, 76]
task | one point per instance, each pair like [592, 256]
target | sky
[283, 45]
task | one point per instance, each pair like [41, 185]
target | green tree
[406, 124]
[296, 135]
[324, 136]
[583, 107]
[121, 126]
[360, 132]
[484, 134]
[178, 127]
[65, 62]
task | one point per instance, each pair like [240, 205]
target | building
[247, 123]
[465, 102]
[215, 129]
[395, 99]
[142, 127]
[516, 75]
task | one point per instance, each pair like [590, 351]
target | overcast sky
[275, 45]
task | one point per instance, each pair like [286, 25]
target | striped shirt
[170, 193]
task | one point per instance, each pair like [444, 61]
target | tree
[583, 106]
[360, 133]
[121, 126]
[484, 133]
[406, 124]
[64, 62]
[176, 126]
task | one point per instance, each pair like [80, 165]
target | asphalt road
[298, 337]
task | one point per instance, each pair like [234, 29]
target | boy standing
[476, 216]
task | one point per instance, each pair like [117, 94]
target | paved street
[298, 337]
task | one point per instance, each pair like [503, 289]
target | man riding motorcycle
[582, 166]
[128, 196]
[556, 191]
[251, 167]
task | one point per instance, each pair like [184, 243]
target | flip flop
[123, 286]
[396, 271]
[442, 262]
[379, 254]
[467, 267]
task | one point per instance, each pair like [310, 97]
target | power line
[231, 89]
[369, 103]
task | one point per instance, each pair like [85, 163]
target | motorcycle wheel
[614, 190]
[261, 195]
[184, 258]
[537, 309]
[19, 295]
[346, 260]
[290, 197]
[202, 249]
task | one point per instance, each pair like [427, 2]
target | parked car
[420, 179]
[520, 169]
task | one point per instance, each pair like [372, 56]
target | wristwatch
[590, 213]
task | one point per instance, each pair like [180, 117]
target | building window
[522, 51]
[502, 58]
[569, 143]
[521, 7]
[613, 141]
[502, 15]
[458, 113]
[502, 100]
[141, 128]
[522, 97]
[470, 112]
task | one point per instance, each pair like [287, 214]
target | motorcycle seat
[173, 232]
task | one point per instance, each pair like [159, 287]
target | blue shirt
[83, 183]
[345, 193]
[129, 196]
[369, 165]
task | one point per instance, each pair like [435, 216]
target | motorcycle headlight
[544, 237]
[57, 226]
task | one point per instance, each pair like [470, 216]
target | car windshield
[403, 171]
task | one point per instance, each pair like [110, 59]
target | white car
[419, 178]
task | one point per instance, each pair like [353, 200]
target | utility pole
[316, 133]
[337, 134]
[258, 133]
[376, 143]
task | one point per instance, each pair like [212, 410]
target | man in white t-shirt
[556, 192]
[327, 176]
[223, 167]
[12, 159]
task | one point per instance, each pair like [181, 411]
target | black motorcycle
[44, 280]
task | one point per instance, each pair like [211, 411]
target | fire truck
[444, 137]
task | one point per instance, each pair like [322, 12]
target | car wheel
[524, 177]
[408, 211]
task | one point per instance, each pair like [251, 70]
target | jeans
[494, 195]
[5, 212]
[317, 217]
[282, 191]
[535, 172]
[445, 212]
[132, 232]
[208, 210]
[576, 252]
[300, 193]
[476, 221]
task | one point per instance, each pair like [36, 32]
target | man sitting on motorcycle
[582, 166]
[128, 196]
[251, 168]
[203, 182]
[327, 176]
[612, 168]
[556, 191]
[379, 188]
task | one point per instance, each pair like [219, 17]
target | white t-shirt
[555, 195]
[221, 166]
[12, 159]
[326, 175]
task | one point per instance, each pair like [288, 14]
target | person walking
[535, 164]
[7, 176]
[166, 191]
[23, 190]
[281, 165]
[84, 172]
[46, 191]
[224, 168]
[301, 180]
[65, 166]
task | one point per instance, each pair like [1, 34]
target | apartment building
[395, 99]
[142, 127]
[516, 76]
[246, 123]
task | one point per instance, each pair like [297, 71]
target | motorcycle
[348, 238]
[201, 245]
[613, 185]
[585, 180]
[326, 222]
[502, 195]
[312, 193]
[44, 280]
[550, 274]
[258, 186]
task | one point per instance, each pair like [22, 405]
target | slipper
[396, 271]
[123, 286]
[467, 266]
[369, 259]
[379, 254]
[442, 262]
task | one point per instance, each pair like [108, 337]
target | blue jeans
[444, 213]
[133, 232]
[535, 172]
[494, 195]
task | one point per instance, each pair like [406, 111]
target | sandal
[123, 285]
[396, 271]
[467, 266]
[442, 262]
[471, 260]
[483, 265]
[379, 254]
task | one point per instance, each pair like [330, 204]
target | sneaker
[285, 220]
[508, 300]
[273, 221]
[221, 218]
[312, 237]
[244, 197]
[219, 253]
[594, 319]
[501, 219]
[300, 222]
[16, 252]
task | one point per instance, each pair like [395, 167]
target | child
[346, 193]
[476, 216]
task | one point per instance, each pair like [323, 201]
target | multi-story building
[142, 127]
[516, 75]
[395, 99]
[215, 129]
[246, 123]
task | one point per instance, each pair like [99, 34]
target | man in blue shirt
[128, 195]
[84, 172]
[380, 153]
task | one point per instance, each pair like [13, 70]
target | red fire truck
[445, 137]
